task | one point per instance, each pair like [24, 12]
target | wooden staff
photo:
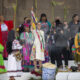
[15, 9]
[36, 7]
[55, 3]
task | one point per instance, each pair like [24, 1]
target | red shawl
[9, 25]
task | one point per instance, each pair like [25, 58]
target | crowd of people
[28, 47]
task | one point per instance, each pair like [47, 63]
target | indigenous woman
[77, 46]
[74, 27]
[5, 26]
[14, 61]
[38, 47]
[2, 67]
[21, 27]
[27, 42]
[45, 26]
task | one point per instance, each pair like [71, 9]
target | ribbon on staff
[34, 19]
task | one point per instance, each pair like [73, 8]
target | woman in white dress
[14, 61]
[38, 47]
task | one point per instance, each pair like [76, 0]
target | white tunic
[14, 67]
[4, 27]
[39, 53]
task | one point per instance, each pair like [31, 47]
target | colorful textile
[38, 46]
[77, 43]
[45, 27]
[77, 46]
[9, 25]
[34, 26]
[28, 39]
[49, 24]
[14, 60]
[26, 25]
[2, 67]
[73, 49]
[77, 57]
[4, 35]
[4, 42]
[16, 45]
[34, 19]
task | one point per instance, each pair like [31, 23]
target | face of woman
[65, 23]
[27, 20]
[76, 18]
[39, 26]
[43, 19]
[1, 18]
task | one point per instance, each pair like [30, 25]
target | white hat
[16, 45]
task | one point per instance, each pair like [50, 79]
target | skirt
[14, 67]
[2, 67]
[4, 42]
[26, 52]
[37, 54]
[46, 52]
[77, 58]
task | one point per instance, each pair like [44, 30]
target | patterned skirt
[26, 52]
[77, 58]
[76, 55]
[46, 53]
[4, 42]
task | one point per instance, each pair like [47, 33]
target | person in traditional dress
[77, 46]
[38, 47]
[14, 61]
[21, 27]
[45, 26]
[27, 39]
[74, 27]
[2, 67]
[5, 26]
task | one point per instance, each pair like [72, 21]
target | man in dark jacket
[61, 45]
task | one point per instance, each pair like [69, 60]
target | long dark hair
[25, 18]
[58, 22]
[43, 15]
[74, 15]
[21, 29]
